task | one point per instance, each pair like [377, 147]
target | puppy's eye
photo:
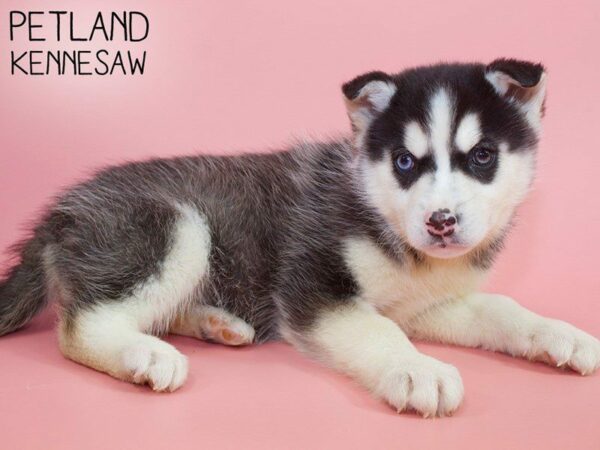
[482, 158]
[405, 162]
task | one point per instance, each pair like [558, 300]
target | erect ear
[521, 82]
[366, 97]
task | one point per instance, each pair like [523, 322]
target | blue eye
[405, 162]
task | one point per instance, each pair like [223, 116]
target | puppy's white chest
[401, 291]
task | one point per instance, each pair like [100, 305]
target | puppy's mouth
[445, 247]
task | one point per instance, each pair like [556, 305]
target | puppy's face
[447, 152]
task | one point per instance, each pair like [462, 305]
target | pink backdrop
[224, 78]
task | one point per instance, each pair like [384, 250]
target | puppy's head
[447, 152]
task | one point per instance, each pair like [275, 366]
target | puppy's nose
[441, 223]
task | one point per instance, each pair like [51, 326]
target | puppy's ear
[521, 82]
[366, 97]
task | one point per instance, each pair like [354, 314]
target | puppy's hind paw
[224, 328]
[157, 364]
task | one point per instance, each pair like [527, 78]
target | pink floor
[270, 397]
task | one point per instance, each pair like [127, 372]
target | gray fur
[273, 234]
[23, 295]
[277, 223]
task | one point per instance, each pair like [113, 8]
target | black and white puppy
[345, 249]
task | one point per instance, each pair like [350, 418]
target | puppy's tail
[23, 288]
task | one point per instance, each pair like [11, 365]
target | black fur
[525, 73]
[276, 220]
[111, 233]
[463, 162]
[500, 119]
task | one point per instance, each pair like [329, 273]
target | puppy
[345, 249]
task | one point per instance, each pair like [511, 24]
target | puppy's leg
[108, 339]
[358, 341]
[214, 324]
[498, 323]
[113, 336]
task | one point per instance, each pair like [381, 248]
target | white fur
[415, 139]
[498, 323]
[485, 209]
[437, 300]
[440, 127]
[111, 336]
[381, 188]
[404, 290]
[373, 350]
[468, 133]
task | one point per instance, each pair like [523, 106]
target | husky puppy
[346, 249]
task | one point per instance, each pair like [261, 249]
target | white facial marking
[415, 140]
[483, 210]
[468, 133]
[440, 127]
[379, 183]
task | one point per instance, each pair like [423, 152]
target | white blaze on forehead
[415, 139]
[468, 132]
[440, 127]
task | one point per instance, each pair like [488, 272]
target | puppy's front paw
[561, 344]
[423, 384]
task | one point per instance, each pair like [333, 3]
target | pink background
[224, 78]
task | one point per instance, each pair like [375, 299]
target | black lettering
[73, 38]
[146, 26]
[114, 17]
[30, 15]
[136, 63]
[58, 14]
[72, 60]
[81, 62]
[56, 58]
[34, 63]
[101, 61]
[118, 62]
[13, 25]
[15, 63]
[99, 25]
